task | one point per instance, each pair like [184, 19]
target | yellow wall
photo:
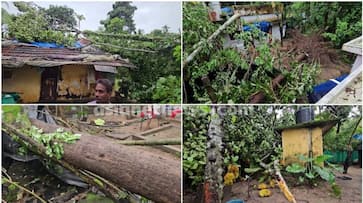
[25, 80]
[74, 77]
[296, 141]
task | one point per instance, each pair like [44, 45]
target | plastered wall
[26, 81]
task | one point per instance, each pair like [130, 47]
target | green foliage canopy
[341, 21]
[123, 11]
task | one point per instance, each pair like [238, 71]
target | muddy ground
[351, 191]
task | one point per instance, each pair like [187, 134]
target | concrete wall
[297, 141]
[26, 81]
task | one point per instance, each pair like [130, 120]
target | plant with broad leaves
[311, 170]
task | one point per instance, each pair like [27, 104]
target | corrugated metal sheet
[108, 69]
[20, 54]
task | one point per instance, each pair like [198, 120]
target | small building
[46, 75]
[303, 139]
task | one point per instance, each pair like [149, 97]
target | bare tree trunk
[133, 168]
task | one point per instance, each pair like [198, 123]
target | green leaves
[32, 25]
[321, 159]
[314, 170]
[325, 174]
[295, 168]
[249, 135]
[167, 90]
[236, 76]
[252, 170]
[195, 128]
[99, 122]
[53, 142]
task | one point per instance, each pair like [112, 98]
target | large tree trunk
[131, 167]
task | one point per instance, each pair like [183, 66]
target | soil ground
[317, 50]
[351, 191]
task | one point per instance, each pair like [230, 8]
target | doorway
[48, 90]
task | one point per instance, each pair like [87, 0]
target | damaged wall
[25, 81]
[74, 81]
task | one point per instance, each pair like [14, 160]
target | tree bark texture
[131, 167]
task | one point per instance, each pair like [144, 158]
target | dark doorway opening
[48, 90]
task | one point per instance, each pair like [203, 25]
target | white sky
[148, 16]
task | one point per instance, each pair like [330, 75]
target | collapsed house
[42, 73]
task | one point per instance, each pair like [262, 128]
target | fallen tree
[130, 167]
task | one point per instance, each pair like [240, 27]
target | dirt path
[351, 191]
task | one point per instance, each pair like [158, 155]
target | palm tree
[79, 18]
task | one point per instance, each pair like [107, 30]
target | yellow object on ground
[229, 178]
[286, 191]
[233, 169]
[272, 183]
[264, 193]
[262, 186]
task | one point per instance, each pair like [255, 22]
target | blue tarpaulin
[358, 137]
[54, 45]
[323, 88]
[263, 26]
[47, 44]
[227, 10]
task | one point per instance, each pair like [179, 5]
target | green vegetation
[336, 140]
[39, 24]
[53, 142]
[195, 128]
[166, 90]
[157, 55]
[120, 18]
[250, 138]
[339, 21]
[311, 170]
[236, 77]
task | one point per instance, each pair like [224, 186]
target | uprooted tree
[260, 73]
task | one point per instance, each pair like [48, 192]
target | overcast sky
[148, 16]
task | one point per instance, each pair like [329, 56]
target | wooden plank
[354, 46]
[154, 130]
